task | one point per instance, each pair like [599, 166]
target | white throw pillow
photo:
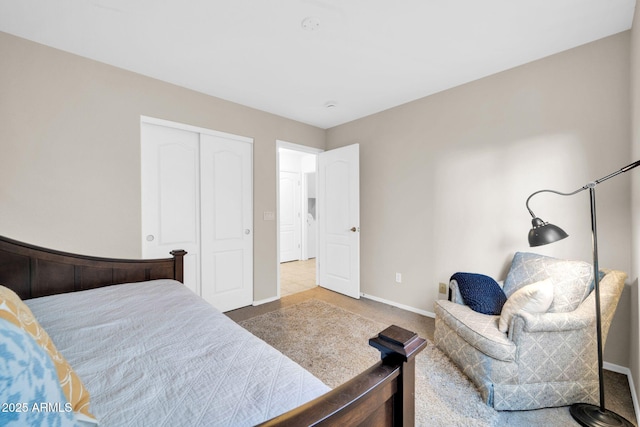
[534, 298]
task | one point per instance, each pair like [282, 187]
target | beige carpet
[332, 343]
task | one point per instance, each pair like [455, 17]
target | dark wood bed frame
[383, 395]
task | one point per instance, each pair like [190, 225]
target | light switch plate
[269, 216]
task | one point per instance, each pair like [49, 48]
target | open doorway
[297, 218]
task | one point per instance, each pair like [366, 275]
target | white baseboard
[634, 396]
[616, 368]
[264, 301]
[402, 306]
[625, 371]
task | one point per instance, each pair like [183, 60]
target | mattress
[155, 354]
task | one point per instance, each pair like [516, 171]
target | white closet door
[227, 222]
[170, 175]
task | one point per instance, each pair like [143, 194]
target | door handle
[247, 231]
[150, 238]
[354, 229]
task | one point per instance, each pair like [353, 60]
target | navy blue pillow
[481, 293]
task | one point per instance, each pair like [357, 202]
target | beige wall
[635, 200]
[444, 179]
[70, 152]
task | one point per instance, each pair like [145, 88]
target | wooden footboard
[383, 395]
[32, 271]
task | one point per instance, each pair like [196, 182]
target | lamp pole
[596, 279]
[542, 233]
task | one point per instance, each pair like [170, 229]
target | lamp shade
[543, 233]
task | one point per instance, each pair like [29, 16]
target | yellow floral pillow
[13, 309]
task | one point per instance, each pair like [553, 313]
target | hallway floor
[297, 276]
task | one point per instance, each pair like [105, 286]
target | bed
[150, 352]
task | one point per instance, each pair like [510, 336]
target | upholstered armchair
[544, 359]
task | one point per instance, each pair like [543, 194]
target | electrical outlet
[398, 278]
[443, 288]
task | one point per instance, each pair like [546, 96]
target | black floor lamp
[541, 234]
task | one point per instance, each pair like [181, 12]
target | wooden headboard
[32, 271]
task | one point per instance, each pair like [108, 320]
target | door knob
[353, 229]
[247, 231]
[150, 238]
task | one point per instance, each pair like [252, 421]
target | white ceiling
[365, 55]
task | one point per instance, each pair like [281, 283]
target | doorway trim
[302, 149]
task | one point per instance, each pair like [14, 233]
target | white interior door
[227, 222]
[170, 177]
[339, 220]
[290, 216]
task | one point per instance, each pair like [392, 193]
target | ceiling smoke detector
[310, 23]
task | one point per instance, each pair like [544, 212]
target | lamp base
[591, 416]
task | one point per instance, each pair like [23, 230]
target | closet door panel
[170, 179]
[227, 222]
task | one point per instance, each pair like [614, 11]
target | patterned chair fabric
[544, 360]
